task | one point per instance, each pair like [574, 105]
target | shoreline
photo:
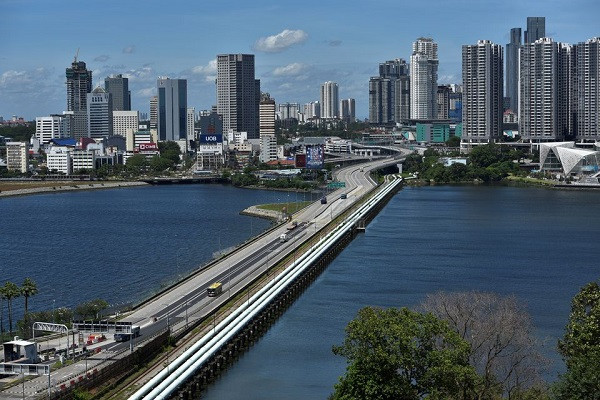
[69, 187]
[254, 211]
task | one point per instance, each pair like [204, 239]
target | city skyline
[294, 55]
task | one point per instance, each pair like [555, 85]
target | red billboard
[300, 160]
[148, 147]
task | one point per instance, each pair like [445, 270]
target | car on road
[344, 196]
[324, 200]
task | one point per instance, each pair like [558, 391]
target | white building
[423, 79]
[48, 128]
[337, 145]
[267, 116]
[59, 159]
[312, 110]
[268, 148]
[99, 113]
[587, 89]
[210, 155]
[124, 120]
[191, 124]
[329, 100]
[289, 110]
[83, 159]
[565, 158]
[234, 138]
[16, 156]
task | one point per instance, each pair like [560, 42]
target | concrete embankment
[262, 213]
[68, 187]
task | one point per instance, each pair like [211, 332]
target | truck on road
[283, 238]
[215, 289]
[124, 337]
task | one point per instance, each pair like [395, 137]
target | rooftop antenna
[76, 55]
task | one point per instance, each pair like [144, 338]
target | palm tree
[2, 297]
[11, 291]
[28, 289]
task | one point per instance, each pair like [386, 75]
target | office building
[482, 70]
[58, 159]
[172, 109]
[267, 115]
[536, 29]
[238, 93]
[329, 100]
[389, 93]
[443, 101]
[82, 160]
[512, 69]
[48, 128]
[99, 114]
[16, 156]
[118, 87]
[423, 79]
[544, 114]
[348, 110]
[587, 89]
[124, 121]
[154, 112]
[79, 85]
[268, 148]
[191, 124]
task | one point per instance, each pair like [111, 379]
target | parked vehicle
[215, 289]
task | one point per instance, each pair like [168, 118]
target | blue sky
[304, 43]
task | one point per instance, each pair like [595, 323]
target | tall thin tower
[512, 69]
[329, 100]
[423, 79]
[587, 89]
[536, 29]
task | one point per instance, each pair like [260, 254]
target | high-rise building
[329, 100]
[423, 79]
[443, 101]
[482, 70]
[512, 69]
[544, 89]
[348, 110]
[16, 156]
[389, 93]
[191, 124]
[118, 87]
[288, 110]
[587, 89]
[79, 84]
[99, 113]
[267, 115]
[536, 29]
[124, 121]
[172, 109]
[238, 93]
[312, 110]
[268, 148]
[48, 128]
[154, 112]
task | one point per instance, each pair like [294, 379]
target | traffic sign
[336, 185]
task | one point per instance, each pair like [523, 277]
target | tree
[402, 354]
[453, 141]
[503, 348]
[580, 347]
[91, 309]
[2, 298]
[11, 291]
[28, 289]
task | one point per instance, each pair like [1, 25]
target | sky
[297, 45]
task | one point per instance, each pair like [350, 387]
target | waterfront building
[238, 93]
[83, 160]
[267, 115]
[423, 79]
[124, 121]
[348, 110]
[329, 100]
[567, 159]
[191, 124]
[133, 139]
[536, 29]
[58, 159]
[99, 114]
[172, 109]
[154, 112]
[48, 128]
[544, 114]
[268, 148]
[482, 67]
[118, 87]
[586, 99]
[512, 69]
[17, 156]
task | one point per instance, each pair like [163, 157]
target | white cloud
[281, 41]
[129, 49]
[146, 92]
[208, 69]
[102, 58]
[28, 81]
[293, 69]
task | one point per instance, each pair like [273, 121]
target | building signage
[211, 139]
[148, 147]
[314, 156]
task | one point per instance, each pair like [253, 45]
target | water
[120, 245]
[537, 244]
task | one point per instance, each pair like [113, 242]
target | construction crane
[76, 55]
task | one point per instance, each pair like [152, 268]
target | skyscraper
[389, 93]
[348, 110]
[482, 67]
[118, 87]
[587, 89]
[423, 79]
[79, 84]
[99, 113]
[267, 115]
[329, 100]
[512, 69]
[545, 86]
[154, 112]
[536, 29]
[443, 101]
[238, 93]
[172, 109]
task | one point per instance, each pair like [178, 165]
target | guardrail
[179, 371]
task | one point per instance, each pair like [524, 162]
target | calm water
[537, 244]
[120, 244]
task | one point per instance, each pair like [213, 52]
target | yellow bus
[215, 289]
